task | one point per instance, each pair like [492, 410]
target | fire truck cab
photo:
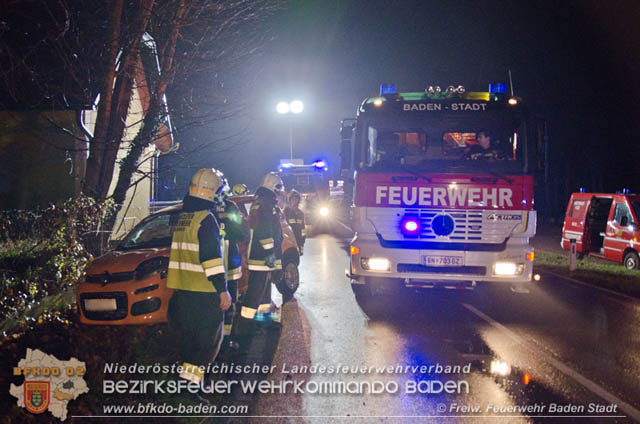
[604, 225]
[312, 182]
[432, 207]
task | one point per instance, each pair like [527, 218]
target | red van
[604, 225]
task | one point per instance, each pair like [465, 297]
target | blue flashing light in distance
[320, 164]
[583, 190]
[387, 89]
[498, 88]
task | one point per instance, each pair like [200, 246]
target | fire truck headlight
[375, 264]
[507, 268]
[324, 211]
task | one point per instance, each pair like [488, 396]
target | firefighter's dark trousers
[258, 293]
[229, 314]
[198, 319]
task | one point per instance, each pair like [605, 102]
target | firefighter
[197, 274]
[264, 255]
[236, 230]
[295, 218]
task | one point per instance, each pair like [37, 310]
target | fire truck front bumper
[511, 262]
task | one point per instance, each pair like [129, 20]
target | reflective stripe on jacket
[188, 269]
[265, 239]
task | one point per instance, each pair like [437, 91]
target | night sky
[575, 63]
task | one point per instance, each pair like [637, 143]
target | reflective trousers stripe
[191, 372]
[268, 246]
[227, 329]
[247, 312]
[264, 308]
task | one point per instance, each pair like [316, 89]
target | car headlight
[324, 211]
[159, 265]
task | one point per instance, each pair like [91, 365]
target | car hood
[124, 260]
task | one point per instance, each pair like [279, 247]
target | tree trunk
[97, 144]
[110, 126]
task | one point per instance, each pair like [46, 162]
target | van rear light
[530, 256]
[354, 250]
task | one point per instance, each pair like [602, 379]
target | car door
[619, 230]
[574, 224]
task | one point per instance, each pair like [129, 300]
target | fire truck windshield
[305, 183]
[429, 147]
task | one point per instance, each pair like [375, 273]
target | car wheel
[631, 260]
[289, 280]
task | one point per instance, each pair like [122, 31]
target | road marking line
[590, 385]
[582, 283]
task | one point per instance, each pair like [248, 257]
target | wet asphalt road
[563, 344]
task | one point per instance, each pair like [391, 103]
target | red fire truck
[431, 206]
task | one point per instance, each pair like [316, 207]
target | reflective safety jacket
[265, 236]
[235, 230]
[295, 218]
[197, 249]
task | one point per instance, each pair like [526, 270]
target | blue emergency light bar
[388, 89]
[498, 88]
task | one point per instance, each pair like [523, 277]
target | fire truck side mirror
[345, 154]
[346, 131]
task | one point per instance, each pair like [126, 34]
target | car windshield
[154, 231]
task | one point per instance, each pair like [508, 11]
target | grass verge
[591, 270]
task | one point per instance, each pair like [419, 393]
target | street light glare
[282, 108]
[296, 106]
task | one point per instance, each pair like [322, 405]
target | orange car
[129, 284]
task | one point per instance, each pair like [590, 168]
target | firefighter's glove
[270, 261]
[225, 300]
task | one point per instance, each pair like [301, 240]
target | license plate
[100, 304]
[437, 260]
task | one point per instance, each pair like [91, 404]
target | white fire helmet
[207, 184]
[273, 183]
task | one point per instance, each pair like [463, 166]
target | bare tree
[97, 48]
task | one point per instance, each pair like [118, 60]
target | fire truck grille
[468, 224]
[466, 270]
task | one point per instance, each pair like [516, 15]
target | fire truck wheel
[362, 292]
[288, 280]
[631, 260]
